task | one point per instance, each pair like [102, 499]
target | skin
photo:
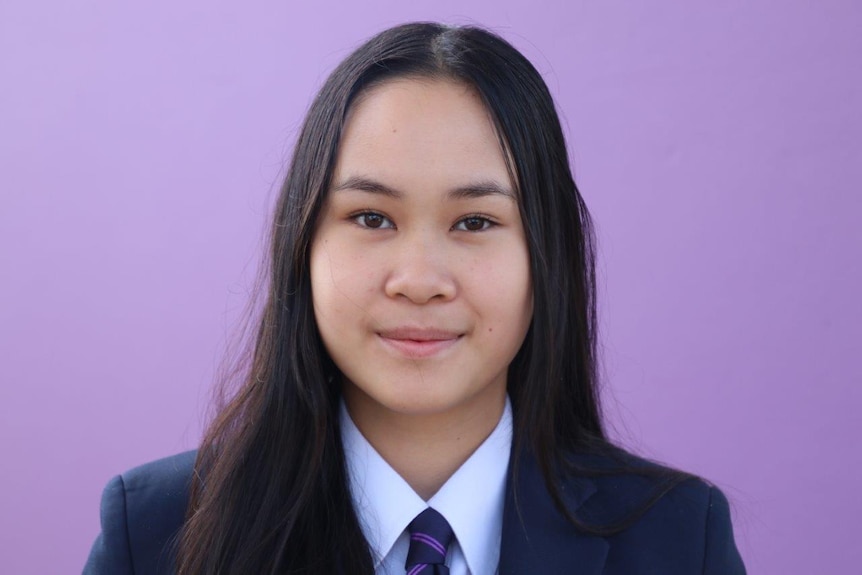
[420, 275]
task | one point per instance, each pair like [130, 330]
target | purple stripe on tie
[417, 569]
[430, 541]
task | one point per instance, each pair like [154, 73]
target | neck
[425, 449]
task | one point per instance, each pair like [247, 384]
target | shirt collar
[386, 504]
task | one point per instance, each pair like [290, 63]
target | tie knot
[430, 536]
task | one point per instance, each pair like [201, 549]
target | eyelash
[487, 223]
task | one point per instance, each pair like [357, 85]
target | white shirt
[471, 501]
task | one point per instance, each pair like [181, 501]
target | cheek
[325, 284]
[502, 288]
[341, 278]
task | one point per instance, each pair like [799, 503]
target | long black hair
[271, 492]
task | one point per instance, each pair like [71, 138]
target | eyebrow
[479, 189]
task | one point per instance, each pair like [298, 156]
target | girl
[421, 394]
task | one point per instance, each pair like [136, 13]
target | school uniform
[472, 501]
[687, 531]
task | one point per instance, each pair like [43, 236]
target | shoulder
[622, 482]
[142, 512]
[627, 515]
[670, 517]
[162, 483]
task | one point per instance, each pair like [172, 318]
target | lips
[418, 343]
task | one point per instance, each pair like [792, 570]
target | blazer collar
[537, 536]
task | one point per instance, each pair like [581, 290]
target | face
[419, 264]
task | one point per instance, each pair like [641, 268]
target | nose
[421, 271]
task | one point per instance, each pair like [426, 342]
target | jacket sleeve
[111, 553]
[721, 556]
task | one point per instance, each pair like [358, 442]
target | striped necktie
[430, 536]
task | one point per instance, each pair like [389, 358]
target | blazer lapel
[536, 537]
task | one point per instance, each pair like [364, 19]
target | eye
[372, 220]
[474, 224]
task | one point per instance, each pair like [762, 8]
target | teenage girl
[421, 394]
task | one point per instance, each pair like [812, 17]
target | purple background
[718, 147]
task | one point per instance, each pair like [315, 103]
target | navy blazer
[687, 531]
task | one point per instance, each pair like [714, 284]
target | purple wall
[718, 148]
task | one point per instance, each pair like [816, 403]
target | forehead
[430, 128]
[422, 92]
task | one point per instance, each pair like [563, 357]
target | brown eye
[474, 224]
[373, 221]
